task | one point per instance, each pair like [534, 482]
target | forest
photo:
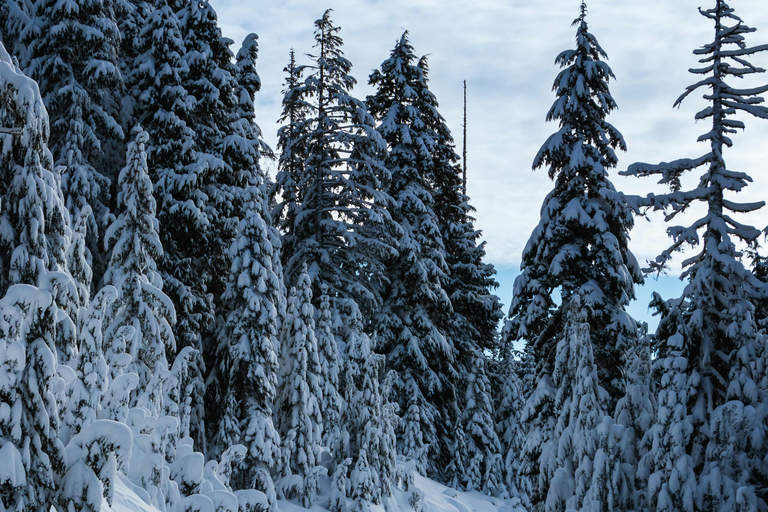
[178, 322]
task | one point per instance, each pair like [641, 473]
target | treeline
[219, 337]
[222, 339]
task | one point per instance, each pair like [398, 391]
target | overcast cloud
[505, 49]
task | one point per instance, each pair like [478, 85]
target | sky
[505, 50]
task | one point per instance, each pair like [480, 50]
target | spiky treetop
[715, 313]
[581, 242]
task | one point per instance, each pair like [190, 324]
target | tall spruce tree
[342, 220]
[580, 244]
[134, 245]
[74, 57]
[416, 303]
[30, 445]
[35, 223]
[180, 171]
[248, 366]
[292, 144]
[34, 241]
[578, 413]
[713, 321]
[298, 411]
[243, 187]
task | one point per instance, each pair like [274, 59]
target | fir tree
[249, 364]
[511, 429]
[368, 422]
[416, 303]
[342, 221]
[578, 414]
[243, 186]
[226, 155]
[35, 223]
[580, 244]
[179, 173]
[331, 404]
[135, 248]
[635, 412]
[29, 431]
[668, 462]
[84, 402]
[74, 59]
[299, 420]
[293, 139]
[583, 233]
[714, 321]
[483, 450]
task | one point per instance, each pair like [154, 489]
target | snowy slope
[437, 498]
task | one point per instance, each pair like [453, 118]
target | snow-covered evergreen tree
[331, 404]
[32, 454]
[342, 220]
[362, 484]
[135, 248]
[84, 402]
[242, 186]
[580, 244]
[74, 58]
[713, 321]
[416, 302]
[368, 422]
[510, 427]
[668, 465]
[299, 420]
[574, 444]
[35, 234]
[93, 456]
[483, 469]
[249, 363]
[292, 143]
[635, 413]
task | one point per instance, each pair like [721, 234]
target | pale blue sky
[505, 49]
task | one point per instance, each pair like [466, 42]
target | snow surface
[437, 498]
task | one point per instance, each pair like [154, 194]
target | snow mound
[436, 498]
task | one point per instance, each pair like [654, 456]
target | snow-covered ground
[437, 498]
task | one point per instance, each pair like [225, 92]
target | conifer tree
[580, 245]
[483, 449]
[34, 237]
[135, 248]
[342, 221]
[30, 445]
[243, 186]
[179, 174]
[713, 321]
[331, 404]
[293, 140]
[84, 403]
[226, 154]
[635, 413]
[74, 59]
[249, 364]
[511, 429]
[668, 462]
[299, 420]
[574, 444]
[416, 302]
[368, 422]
